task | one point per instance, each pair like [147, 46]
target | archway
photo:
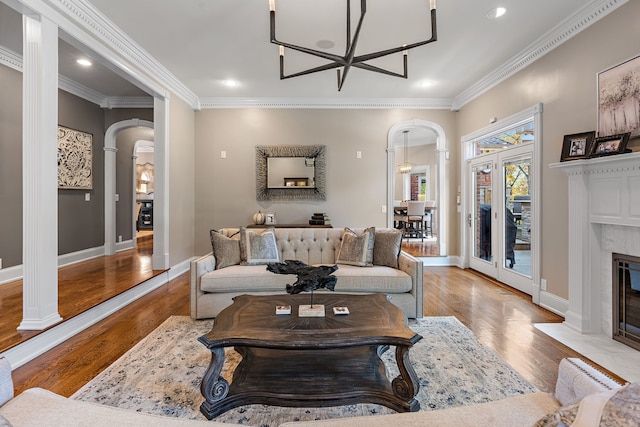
[110, 179]
[441, 154]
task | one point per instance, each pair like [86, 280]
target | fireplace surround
[604, 218]
[604, 213]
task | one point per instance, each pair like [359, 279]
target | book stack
[319, 219]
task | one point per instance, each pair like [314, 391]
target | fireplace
[626, 299]
[604, 207]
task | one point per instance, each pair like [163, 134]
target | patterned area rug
[162, 374]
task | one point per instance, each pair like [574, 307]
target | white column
[160, 259]
[110, 197]
[40, 173]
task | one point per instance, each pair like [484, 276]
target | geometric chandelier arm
[349, 59]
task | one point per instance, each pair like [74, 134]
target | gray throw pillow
[258, 247]
[357, 250]
[386, 248]
[226, 250]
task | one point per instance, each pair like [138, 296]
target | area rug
[162, 374]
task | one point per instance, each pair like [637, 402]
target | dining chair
[415, 219]
[428, 222]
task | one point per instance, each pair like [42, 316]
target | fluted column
[40, 173]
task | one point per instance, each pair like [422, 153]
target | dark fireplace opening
[626, 300]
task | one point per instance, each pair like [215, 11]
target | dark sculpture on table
[310, 278]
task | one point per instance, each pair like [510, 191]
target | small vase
[259, 218]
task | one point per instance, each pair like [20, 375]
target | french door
[501, 216]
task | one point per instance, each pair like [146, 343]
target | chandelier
[405, 167]
[349, 59]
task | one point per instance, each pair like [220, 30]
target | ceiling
[204, 43]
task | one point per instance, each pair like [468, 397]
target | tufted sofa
[213, 289]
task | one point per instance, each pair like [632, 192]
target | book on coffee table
[283, 309]
[340, 310]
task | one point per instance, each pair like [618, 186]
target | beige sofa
[576, 380]
[213, 289]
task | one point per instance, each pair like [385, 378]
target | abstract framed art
[618, 102]
[75, 159]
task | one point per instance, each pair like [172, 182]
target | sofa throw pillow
[356, 250]
[226, 250]
[619, 407]
[386, 248]
[258, 247]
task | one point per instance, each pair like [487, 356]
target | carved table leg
[214, 388]
[406, 385]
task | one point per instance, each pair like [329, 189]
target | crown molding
[79, 90]
[127, 102]
[10, 59]
[579, 21]
[328, 103]
[84, 14]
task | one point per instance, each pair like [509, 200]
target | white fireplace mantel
[603, 192]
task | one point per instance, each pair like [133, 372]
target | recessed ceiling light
[426, 83]
[231, 83]
[496, 13]
[84, 62]
[325, 44]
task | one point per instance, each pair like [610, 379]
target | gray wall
[356, 188]
[10, 167]
[564, 80]
[80, 222]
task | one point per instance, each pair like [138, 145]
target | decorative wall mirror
[290, 172]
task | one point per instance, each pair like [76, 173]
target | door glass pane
[522, 133]
[482, 208]
[517, 221]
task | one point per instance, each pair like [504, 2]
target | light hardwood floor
[499, 316]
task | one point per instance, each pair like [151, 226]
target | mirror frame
[263, 152]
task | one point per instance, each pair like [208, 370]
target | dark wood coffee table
[312, 361]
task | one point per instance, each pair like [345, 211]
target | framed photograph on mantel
[609, 145]
[618, 102]
[577, 146]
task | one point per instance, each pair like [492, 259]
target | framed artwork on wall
[618, 101]
[577, 146]
[75, 159]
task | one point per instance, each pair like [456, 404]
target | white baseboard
[123, 246]
[11, 274]
[440, 261]
[554, 303]
[79, 256]
[33, 347]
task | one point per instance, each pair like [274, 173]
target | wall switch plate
[87, 197]
[120, 238]
[543, 284]
[384, 209]
[358, 154]
[117, 197]
[223, 154]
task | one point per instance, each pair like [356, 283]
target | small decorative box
[283, 309]
[340, 310]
